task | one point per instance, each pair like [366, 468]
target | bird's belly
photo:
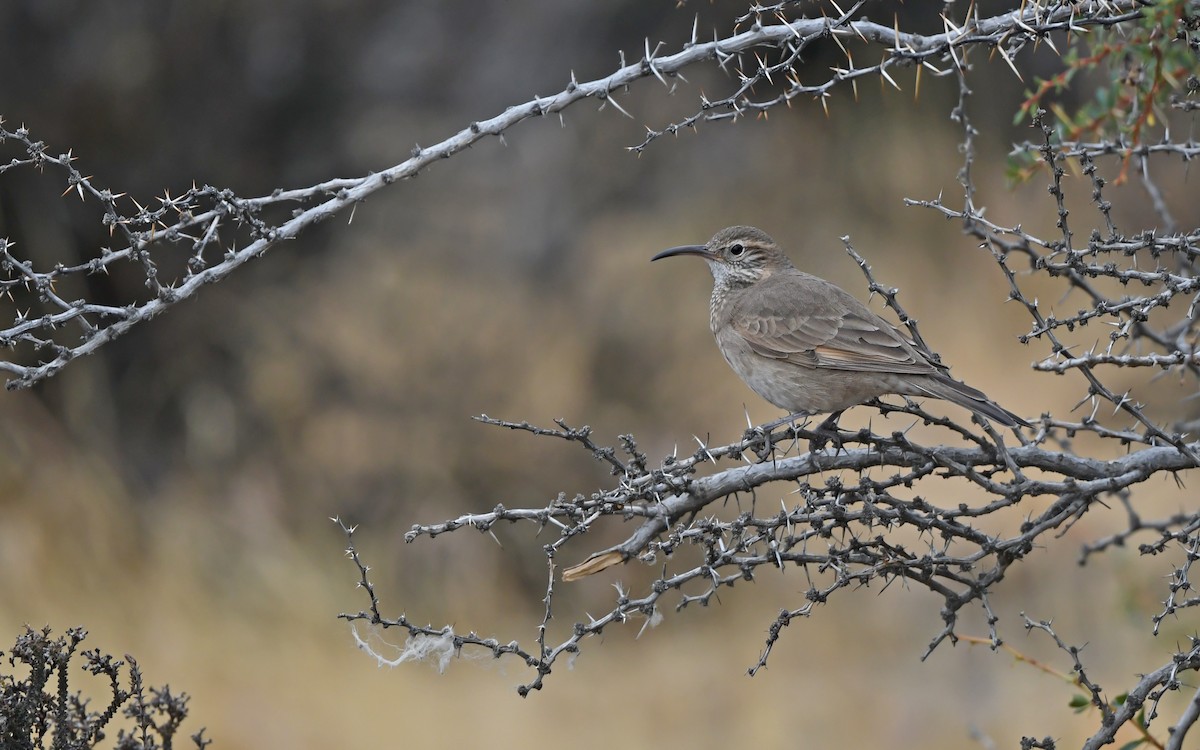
[805, 390]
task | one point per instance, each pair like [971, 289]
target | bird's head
[736, 256]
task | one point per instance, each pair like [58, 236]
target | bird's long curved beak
[700, 250]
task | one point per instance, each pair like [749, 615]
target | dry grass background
[173, 494]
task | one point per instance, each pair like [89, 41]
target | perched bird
[806, 345]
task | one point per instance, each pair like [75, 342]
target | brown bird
[806, 345]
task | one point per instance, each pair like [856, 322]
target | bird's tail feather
[943, 387]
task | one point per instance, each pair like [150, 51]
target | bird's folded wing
[842, 342]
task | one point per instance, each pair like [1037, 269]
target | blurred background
[173, 492]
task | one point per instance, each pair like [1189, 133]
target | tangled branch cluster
[1142, 332]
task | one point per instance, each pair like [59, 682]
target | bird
[806, 345]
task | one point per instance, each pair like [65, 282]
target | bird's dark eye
[736, 249]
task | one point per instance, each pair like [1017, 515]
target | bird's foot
[763, 438]
[827, 432]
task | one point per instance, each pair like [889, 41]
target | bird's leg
[766, 432]
[1001, 449]
[827, 431]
